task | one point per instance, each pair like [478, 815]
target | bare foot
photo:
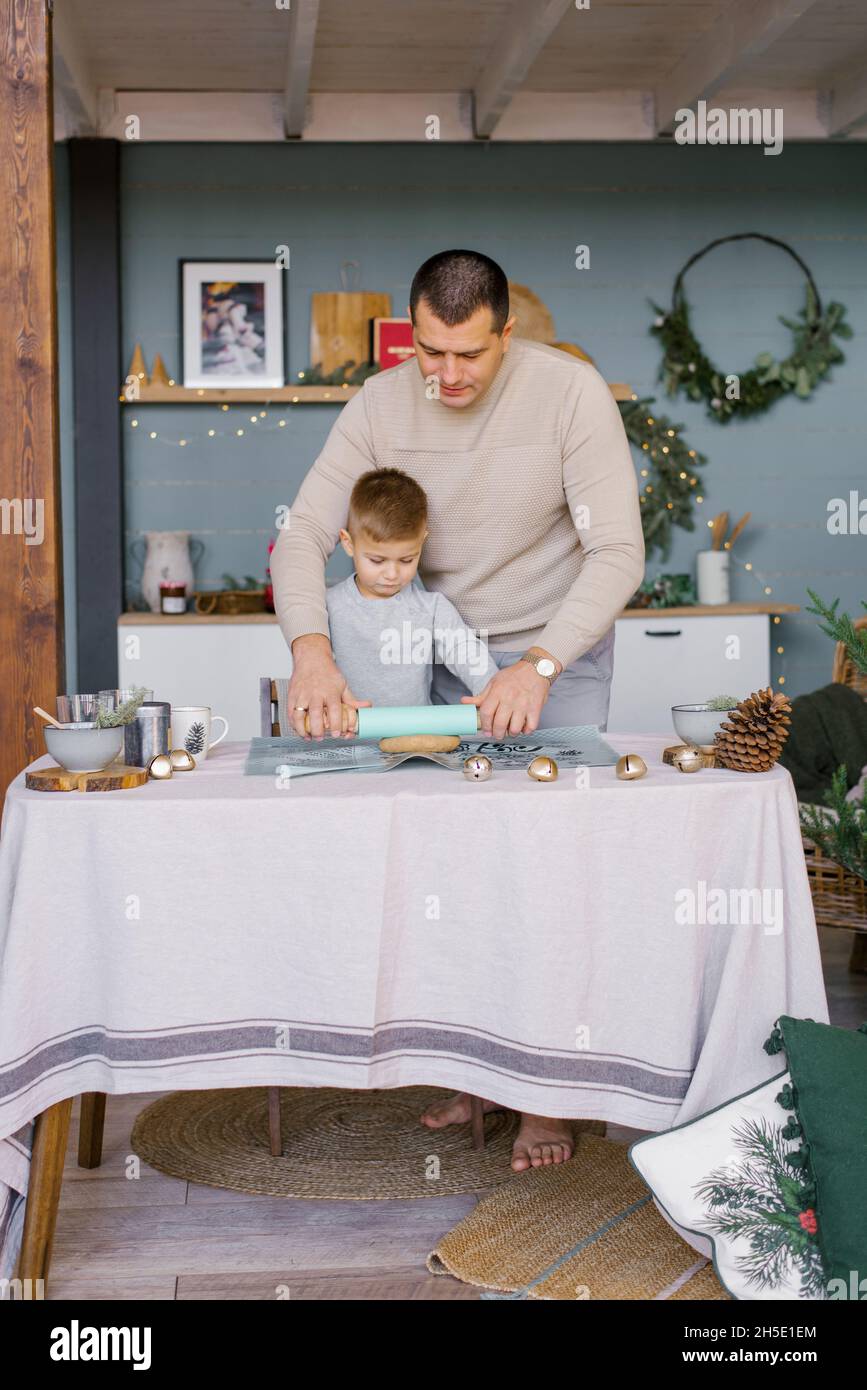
[455, 1110]
[541, 1141]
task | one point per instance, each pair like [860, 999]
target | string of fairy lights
[646, 431]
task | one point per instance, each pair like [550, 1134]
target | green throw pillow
[828, 1093]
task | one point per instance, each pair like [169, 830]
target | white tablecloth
[521, 940]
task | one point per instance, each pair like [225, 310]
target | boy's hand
[512, 700]
[320, 687]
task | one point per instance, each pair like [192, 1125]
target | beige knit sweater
[535, 530]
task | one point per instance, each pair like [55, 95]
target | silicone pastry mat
[579, 746]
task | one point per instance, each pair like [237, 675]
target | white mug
[191, 729]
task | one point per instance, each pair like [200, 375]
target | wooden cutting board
[111, 779]
[340, 326]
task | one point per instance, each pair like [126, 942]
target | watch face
[545, 667]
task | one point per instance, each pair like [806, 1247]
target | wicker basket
[840, 897]
[230, 601]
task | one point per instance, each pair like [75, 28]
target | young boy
[386, 628]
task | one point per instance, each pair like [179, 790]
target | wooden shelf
[711, 610]
[278, 395]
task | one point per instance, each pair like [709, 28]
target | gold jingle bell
[160, 767]
[477, 768]
[182, 760]
[630, 766]
[543, 769]
[688, 758]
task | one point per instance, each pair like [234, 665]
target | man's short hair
[456, 284]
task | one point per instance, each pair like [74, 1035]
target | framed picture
[392, 342]
[232, 323]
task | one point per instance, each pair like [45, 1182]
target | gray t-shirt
[386, 647]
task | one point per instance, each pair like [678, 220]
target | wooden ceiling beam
[72, 80]
[527, 30]
[847, 107]
[742, 32]
[303, 19]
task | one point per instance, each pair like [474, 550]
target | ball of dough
[420, 743]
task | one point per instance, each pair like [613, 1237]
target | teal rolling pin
[394, 721]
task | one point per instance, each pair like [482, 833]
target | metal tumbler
[148, 734]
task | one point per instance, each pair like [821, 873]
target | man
[535, 531]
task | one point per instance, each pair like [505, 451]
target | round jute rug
[338, 1144]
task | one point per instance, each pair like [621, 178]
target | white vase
[167, 556]
[712, 576]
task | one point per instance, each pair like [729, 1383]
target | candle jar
[173, 597]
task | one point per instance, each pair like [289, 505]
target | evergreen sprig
[842, 629]
[841, 831]
[842, 835]
[125, 712]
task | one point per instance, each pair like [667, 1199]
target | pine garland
[347, 374]
[672, 473]
[686, 366]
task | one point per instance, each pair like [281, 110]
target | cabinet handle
[675, 633]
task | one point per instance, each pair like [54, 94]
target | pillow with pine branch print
[732, 1185]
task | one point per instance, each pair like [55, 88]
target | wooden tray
[229, 600]
[115, 778]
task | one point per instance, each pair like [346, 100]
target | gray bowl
[696, 723]
[83, 748]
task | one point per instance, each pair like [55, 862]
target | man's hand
[512, 701]
[320, 687]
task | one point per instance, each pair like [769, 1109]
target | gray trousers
[579, 695]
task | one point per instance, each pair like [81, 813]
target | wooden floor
[162, 1238]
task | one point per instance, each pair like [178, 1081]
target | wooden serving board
[111, 779]
[340, 326]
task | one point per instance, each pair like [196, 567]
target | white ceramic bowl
[83, 748]
[696, 723]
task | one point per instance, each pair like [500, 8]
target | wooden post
[31, 573]
[94, 220]
[43, 1191]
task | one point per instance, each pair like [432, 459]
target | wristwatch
[544, 665]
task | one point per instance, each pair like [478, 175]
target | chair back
[269, 720]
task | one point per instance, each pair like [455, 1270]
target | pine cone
[752, 738]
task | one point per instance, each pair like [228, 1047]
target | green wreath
[669, 479]
[686, 367]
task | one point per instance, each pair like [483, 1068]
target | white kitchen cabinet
[668, 658]
[192, 660]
